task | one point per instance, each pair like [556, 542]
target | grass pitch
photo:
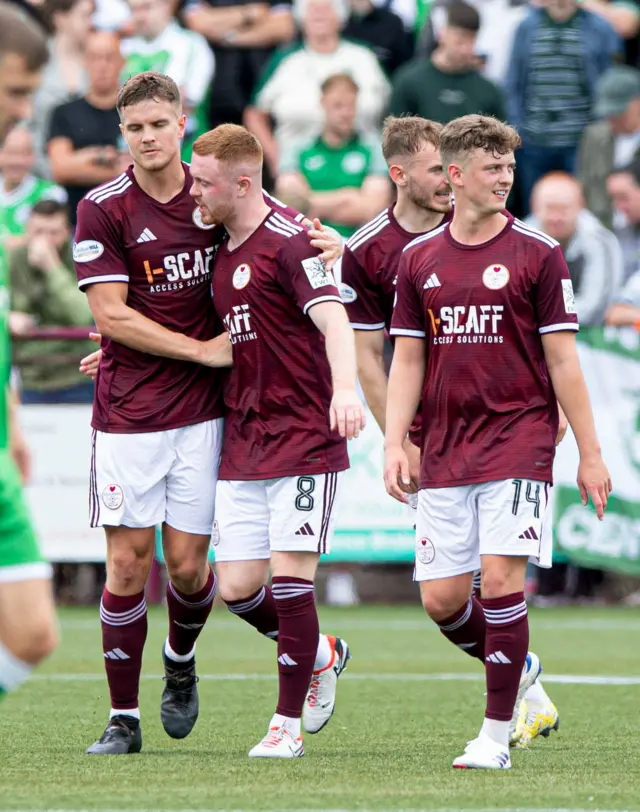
[406, 707]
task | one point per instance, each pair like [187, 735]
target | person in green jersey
[339, 177]
[28, 631]
[20, 189]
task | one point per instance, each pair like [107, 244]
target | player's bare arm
[403, 396]
[372, 373]
[346, 410]
[116, 320]
[562, 360]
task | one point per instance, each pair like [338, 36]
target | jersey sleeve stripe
[528, 231]
[366, 237]
[356, 326]
[92, 280]
[320, 299]
[112, 192]
[273, 227]
[278, 218]
[107, 187]
[367, 227]
[556, 328]
[401, 331]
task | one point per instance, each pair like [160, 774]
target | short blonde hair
[229, 144]
[463, 135]
[407, 135]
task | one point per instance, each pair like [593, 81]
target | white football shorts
[290, 514]
[142, 480]
[456, 526]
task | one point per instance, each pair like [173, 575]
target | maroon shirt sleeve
[278, 205]
[97, 250]
[303, 274]
[555, 302]
[408, 318]
[362, 297]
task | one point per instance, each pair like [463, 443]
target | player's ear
[397, 175]
[454, 173]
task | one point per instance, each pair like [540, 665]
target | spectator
[20, 189]
[624, 16]
[44, 293]
[559, 52]
[448, 84]
[289, 89]
[84, 138]
[160, 44]
[380, 29]
[499, 20]
[339, 177]
[592, 252]
[612, 143]
[625, 310]
[64, 77]
[242, 36]
[624, 187]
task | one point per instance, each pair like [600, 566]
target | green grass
[389, 745]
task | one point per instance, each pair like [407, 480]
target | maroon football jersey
[279, 390]
[369, 269]
[488, 404]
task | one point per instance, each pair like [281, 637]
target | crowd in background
[313, 80]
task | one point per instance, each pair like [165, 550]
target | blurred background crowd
[313, 80]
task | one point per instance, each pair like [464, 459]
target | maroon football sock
[124, 631]
[506, 647]
[477, 584]
[466, 629]
[297, 641]
[188, 614]
[259, 610]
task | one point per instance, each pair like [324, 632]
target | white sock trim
[135, 712]
[178, 658]
[497, 731]
[324, 654]
[13, 672]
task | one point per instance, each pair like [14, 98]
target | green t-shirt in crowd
[16, 205]
[327, 168]
[421, 89]
[5, 349]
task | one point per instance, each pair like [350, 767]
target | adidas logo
[499, 658]
[146, 236]
[116, 654]
[529, 534]
[432, 282]
[284, 659]
[305, 530]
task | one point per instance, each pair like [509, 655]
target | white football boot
[278, 743]
[321, 697]
[483, 753]
[530, 673]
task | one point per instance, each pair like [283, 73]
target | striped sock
[187, 616]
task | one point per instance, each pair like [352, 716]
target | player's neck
[243, 223]
[162, 186]
[416, 219]
[471, 227]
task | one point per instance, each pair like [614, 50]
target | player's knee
[234, 589]
[36, 641]
[496, 584]
[187, 575]
[440, 606]
[127, 571]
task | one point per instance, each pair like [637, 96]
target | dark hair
[462, 15]
[50, 8]
[148, 86]
[21, 35]
[632, 169]
[49, 208]
[465, 134]
[407, 135]
[339, 79]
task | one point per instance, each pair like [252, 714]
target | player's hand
[563, 425]
[217, 352]
[594, 481]
[328, 240]
[90, 363]
[346, 413]
[397, 478]
[413, 455]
